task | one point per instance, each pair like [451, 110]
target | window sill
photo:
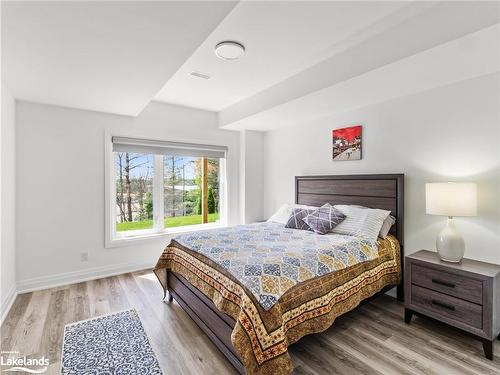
[132, 239]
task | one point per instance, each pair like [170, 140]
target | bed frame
[384, 191]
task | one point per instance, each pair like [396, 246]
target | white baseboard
[52, 281]
[7, 302]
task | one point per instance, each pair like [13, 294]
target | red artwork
[347, 143]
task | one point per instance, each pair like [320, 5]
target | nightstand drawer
[448, 283]
[444, 305]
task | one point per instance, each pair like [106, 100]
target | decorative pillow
[324, 219]
[284, 212]
[386, 227]
[296, 221]
[361, 221]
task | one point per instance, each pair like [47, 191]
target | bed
[255, 330]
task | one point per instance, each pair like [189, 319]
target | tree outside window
[182, 190]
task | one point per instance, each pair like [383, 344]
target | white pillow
[386, 227]
[361, 221]
[282, 215]
[284, 212]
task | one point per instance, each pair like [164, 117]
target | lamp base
[449, 260]
[450, 244]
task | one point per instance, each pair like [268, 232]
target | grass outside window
[170, 222]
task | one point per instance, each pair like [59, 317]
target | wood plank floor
[373, 339]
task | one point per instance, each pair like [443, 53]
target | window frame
[116, 239]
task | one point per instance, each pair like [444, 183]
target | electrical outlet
[84, 257]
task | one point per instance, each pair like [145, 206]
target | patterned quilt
[269, 259]
[306, 305]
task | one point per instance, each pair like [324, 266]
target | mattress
[263, 333]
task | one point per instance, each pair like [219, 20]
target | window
[160, 187]
[183, 186]
[134, 191]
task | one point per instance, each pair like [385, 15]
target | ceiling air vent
[200, 75]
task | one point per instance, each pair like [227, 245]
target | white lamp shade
[451, 198]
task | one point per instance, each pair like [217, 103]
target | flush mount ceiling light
[229, 50]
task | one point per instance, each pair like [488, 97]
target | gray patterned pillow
[296, 221]
[324, 219]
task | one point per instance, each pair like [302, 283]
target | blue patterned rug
[114, 344]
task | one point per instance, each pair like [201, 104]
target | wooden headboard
[383, 191]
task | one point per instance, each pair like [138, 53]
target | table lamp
[450, 199]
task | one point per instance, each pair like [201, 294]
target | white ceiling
[304, 59]
[431, 25]
[103, 56]
[281, 39]
[474, 55]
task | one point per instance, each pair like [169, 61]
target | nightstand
[465, 295]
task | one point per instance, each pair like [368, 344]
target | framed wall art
[346, 143]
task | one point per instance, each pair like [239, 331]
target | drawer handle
[445, 283]
[442, 304]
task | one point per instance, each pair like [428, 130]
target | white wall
[7, 204]
[251, 176]
[60, 172]
[446, 134]
[60, 180]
